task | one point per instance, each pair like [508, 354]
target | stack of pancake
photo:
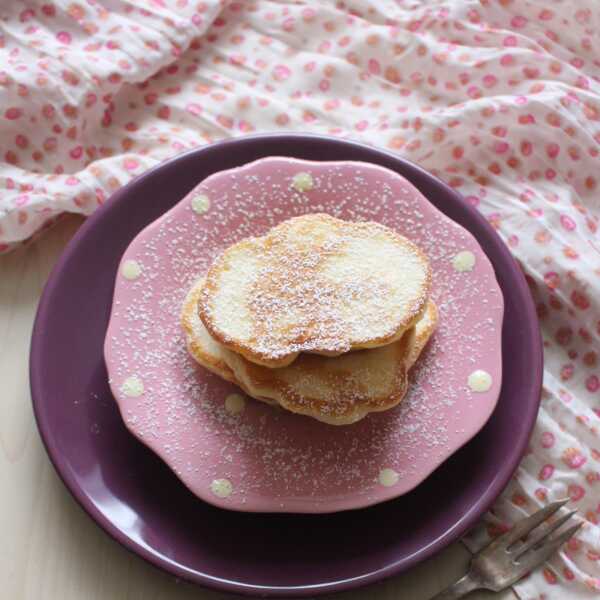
[320, 316]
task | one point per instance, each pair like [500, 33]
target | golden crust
[204, 350]
[423, 331]
[340, 396]
[314, 284]
[340, 390]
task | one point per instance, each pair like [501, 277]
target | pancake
[203, 349]
[423, 331]
[343, 389]
[336, 390]
[314, 284]
[200, 345]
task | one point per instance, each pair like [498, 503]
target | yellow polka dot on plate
[221, 488]
[480, 381]
[303, 182]
[464, 261]
[133, 386]
[131, 269]
[200, 203]
[388, 477]
[234, 404]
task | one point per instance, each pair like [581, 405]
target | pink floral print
[500, 98]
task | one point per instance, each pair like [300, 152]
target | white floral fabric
[500, 98]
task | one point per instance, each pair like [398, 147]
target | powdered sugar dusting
[278, 461]
[314, 284]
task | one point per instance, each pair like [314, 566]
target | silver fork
[504, 561]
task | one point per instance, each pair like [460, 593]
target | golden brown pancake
[337, 390]
[314, 284]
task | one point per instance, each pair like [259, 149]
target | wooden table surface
[50, 549]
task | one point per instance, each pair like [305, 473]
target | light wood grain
[50, 549]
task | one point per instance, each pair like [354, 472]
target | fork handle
[459, 589]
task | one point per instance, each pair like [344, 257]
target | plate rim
[528, 418]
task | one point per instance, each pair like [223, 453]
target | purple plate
[135, 497]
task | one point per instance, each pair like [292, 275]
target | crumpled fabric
[499, 98]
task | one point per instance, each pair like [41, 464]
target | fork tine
[523, 527]
[542, 535]
[534, 559]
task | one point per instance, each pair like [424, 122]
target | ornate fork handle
[459, 589]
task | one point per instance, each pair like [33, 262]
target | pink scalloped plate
[276, 461]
